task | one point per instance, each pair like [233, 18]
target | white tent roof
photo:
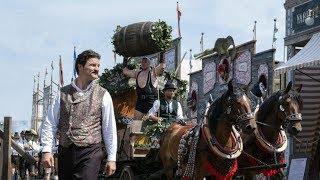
[306, 57]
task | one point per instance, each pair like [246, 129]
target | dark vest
[164, 111]
[81, 116]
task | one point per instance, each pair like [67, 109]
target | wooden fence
[5, 151]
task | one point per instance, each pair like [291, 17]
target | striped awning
[307, 57]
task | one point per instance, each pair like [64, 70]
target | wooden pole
[6, 173]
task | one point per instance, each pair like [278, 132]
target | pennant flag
[74, 64]
[34, 83]
[179, 15]
[201, 43]
[52, 65]
[254, 30]
[45, 77]
[61, 72]
[275, 30]
[115, 57]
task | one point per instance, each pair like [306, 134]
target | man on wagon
[146, 84]
[168, 108]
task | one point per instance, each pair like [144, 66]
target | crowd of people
[28, 140]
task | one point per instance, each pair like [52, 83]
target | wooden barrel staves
[140, 39]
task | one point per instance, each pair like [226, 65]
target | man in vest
[146, 84]
[83, 114]
[168, 108]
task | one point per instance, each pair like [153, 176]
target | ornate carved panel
[209, 76]
[243, 68]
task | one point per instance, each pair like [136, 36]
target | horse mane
[268, 106]
[215, 112]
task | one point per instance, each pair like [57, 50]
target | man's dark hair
[84, 56]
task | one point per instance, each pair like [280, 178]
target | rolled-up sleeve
[179, 112]
[50, 124]
[109, 129]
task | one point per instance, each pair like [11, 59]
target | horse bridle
[242, 117]
[289, 118]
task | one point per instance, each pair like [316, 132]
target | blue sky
[33, 33]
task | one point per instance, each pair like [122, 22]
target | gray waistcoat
[81, 116]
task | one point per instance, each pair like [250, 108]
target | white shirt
[109, 130]
[156, 106]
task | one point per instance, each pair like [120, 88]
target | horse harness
[191, 138]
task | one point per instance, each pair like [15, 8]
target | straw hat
[33, 132]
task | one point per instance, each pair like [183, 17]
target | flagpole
[37, 105]
[190, 63]
[201, 42]
[255, 30]
[51, 89]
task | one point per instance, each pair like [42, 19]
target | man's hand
[160, 119]
[47, 160]
[110, 168]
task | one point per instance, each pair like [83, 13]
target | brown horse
[267, 144]
[219, 143]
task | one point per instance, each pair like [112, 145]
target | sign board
[301, 12]
[170, 57]
[299, 167]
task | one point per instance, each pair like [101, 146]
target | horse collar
[230, 154]
[269, 147]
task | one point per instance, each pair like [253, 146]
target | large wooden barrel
[135, 40]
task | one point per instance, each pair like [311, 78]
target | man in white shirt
[83, 114]
[168, 108]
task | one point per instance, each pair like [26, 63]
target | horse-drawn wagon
[225, 141]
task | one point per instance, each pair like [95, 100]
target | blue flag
[74, 63]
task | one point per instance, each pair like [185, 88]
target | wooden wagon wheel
[127, 173]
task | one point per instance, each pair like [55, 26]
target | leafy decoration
[115, 81]
[161, 34]
[156, 129]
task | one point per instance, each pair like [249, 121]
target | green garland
[115, 81]
[161, 34]
[156, 129]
